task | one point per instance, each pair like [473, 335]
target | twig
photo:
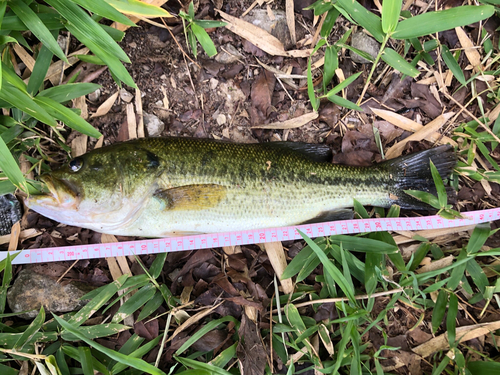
[178, 45]
[65, 272]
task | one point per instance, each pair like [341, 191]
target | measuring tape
[206, 241]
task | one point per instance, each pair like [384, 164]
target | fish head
[100, 190]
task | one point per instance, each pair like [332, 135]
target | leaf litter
[214, 284]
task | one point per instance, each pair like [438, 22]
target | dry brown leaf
[105, 107]
[290, 124]
[424, 133]
[81, 104]
[464, 333]
[79, 145]
[411, 126]
[437, 265]
[100, 142]
[259, 37]
[24, 235]
[54, 72]
[277, 258]
[407, 236]
[470, 50]
[122, 27]
[24, 56]
[193, 319]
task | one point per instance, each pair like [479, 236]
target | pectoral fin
[341, 214]
[191, 197]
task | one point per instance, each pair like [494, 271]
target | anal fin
[335, 215]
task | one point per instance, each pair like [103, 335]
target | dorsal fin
[315, 152]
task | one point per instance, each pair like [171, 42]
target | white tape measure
[204, 241]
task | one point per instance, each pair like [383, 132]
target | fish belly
[252, 207]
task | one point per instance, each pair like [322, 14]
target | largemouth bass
[160, 187]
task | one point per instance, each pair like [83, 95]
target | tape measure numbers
[205, 241]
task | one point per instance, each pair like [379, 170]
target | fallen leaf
[290, 124]
[250, 351]
[262, 91]
[105, 107]
[277, 258]
[470, 50]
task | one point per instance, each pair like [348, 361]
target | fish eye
[76, 164]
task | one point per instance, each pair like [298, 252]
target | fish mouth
[61, 194]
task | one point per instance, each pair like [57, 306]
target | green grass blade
[134, 303]
[310, 87]
[25, 103]
[343, 102]
[127, 360]
[150, 307]
[10, 168]
[433, 22]
[331, 64]
[451, 324]
[390, 15]
[86, 360]
[68, 91]
[36, 26]
[477, 274]
[438, 182]
[398, 62]
[364, 17]
[97, 302]
[364, 245]
[11, 77]
[330, 268]
[138, 353]
[97, 331]
[31, 331]
[42, 65]
[458, 270]
[204, 39]
[343, 84]
[452, 64]
[479, 236]
[7, 278]
[102, 8]
[483, 367]
[140, 8]
[203, 331]
[67, 116]
[202, 368]
[225, 356]
[439, 310]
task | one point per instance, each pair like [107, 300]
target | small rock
[32, 290]
[213, 83]
[132, 45]
[366, 44]
[221, 119]
[228, 54]
[94, 96]
[153, 124]
[126, 96]
[276, 27]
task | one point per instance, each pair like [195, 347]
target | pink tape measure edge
[214, 240]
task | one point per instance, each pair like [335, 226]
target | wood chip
[140, 115]
[464, 333]
[290, 124]
[131, 122]
[277, 258]
[105, 107]
[470, 50]
[259, 37]
[290, 21]
[14, 236]
[424, 133]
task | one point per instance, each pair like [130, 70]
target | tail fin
[413, 172]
